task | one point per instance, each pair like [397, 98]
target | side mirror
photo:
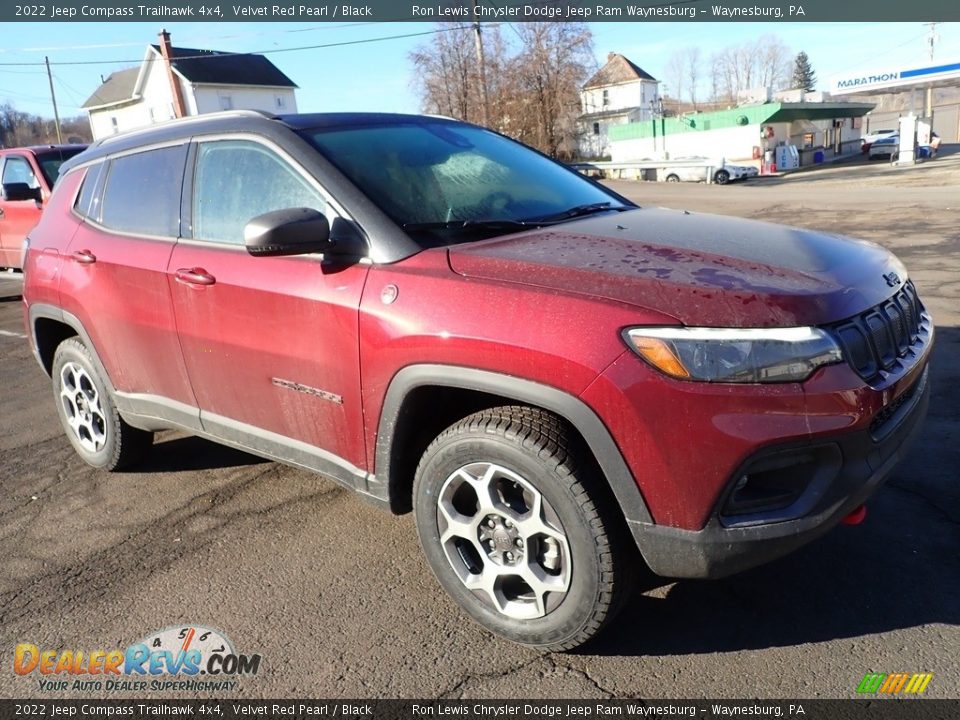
[291, 231]
[20, 191]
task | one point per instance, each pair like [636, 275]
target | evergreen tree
[803, 75]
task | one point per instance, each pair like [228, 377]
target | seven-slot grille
[874, 340]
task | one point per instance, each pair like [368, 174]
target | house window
[226, 102]
[281, 101]
[606, 98]
[808, 140]
[596, 128]
[113, 124]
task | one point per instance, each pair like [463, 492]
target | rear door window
[142, 193]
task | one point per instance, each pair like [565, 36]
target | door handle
[195, 276]
[84, 256]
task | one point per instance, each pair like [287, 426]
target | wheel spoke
[457, 525]
[97, 428]
[481, 486]
[76, 423]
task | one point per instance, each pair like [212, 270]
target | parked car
[885, 146]
[27, 175]
[867, 140]
[889, 146]
[444, 320]
[695, 169]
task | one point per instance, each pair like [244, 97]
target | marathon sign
[889, 78]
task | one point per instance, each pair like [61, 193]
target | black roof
[308, 121]
[43, 149]
[388, 242]
[216, 67]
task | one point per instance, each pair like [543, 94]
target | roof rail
[203, 117]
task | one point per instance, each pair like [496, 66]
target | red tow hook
[856, 516]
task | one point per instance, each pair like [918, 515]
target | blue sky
[378, 76]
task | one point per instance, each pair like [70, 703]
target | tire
[89, 415]
[721, 177]
[673, 178]
[543, 560]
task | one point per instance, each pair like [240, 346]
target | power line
[78, 104]
[250, 52]
[99, 46]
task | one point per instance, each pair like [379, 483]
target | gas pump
[924, 138]
[908, 141]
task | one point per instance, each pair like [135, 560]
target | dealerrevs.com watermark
[187, 658]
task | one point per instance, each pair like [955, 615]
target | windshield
[446, 183]
[51, 161]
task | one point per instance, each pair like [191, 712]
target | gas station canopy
[791, 112]
[888, 80]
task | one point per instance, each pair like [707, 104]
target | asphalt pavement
[336, 598]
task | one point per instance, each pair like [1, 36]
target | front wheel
[518, 531]
[722, 177]
[673, 178]
[88, 414]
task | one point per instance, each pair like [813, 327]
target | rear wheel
[722, 177]
[673, 178]
[88, 413]
[517, 530]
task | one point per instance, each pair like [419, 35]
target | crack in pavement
[553, 662]
[929, 501]
[141, 553]
[608, 694]
[456, 691]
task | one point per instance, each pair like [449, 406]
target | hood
[707, 270]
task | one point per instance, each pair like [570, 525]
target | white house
[619, 93]
[175, 82]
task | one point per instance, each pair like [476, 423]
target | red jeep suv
[448, 322]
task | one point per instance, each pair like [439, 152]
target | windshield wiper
[582, 210]
[507, 224]
[470, 225]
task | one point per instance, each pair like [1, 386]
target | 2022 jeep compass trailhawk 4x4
[549, 376]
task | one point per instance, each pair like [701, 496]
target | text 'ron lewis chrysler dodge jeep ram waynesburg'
[447, 321]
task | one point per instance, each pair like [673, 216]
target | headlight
[765, 355]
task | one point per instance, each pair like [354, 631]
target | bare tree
[676, 74]
[18, 128]
[533, 94]
[764, 63]
[555, 60]
[446, 73]
[774, 62]
[694, 68]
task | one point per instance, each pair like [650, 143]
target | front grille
[877, 425]
[875, 340]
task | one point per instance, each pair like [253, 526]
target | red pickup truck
[28, 175]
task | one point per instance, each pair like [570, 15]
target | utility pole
[931, 42]
[53, 96]
[484, 103]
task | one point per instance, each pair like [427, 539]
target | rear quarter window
[88, 199]
[142, 192]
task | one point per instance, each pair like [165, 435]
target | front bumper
[730, 544]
